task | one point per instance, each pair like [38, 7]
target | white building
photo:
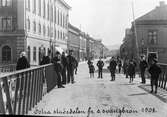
[35, 26]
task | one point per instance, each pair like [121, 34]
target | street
[101, 98]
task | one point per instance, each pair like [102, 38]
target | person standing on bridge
[100, 65]
[58, 68]
[155, 71]
[64, 70]
[71, 65]
[131, 70]
[91, 70]
[22, 62]
[143, 65]
[112, 68]
[119, 65]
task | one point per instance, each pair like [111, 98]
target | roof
[65, 4]
[157, 14]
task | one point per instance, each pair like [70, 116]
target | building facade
[34, 26]
[152, 32]
[82, 46]
[74, 41]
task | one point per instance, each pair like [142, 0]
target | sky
[107, 19]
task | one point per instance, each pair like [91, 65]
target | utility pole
[135, 31]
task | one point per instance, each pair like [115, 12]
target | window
[28, 5]
[44, 52]
[58, 18]
[29, 53]
[39, 28]
[34, 24]
[34, 54]
[44, 9]
[7, 23]
[44, 30]
[48, 11]
[39, 5]
[34, 4]
[28, 24]
[152, 36]
[58, 34]
[6, 53]
[55, 16]
[51, 13]
[55, 34]
[48, 31]
[5, 3]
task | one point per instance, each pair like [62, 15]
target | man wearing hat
[155, 71]
[143, 65]
[71, 65]
[58, 68]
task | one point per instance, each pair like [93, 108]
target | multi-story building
[82, 46]
[151, 31]
[74, 41]
[34, 26]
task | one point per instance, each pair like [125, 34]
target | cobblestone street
[102, 98]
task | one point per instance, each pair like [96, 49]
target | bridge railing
[162, 83]
[7, 68]
[21, 90]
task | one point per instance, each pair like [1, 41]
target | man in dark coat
[155, 71]
[58, 68]
[119, 65]
[100, 65]
[71, 65]
[22, 62]
[64, 70]
[112, 68]
[131, 70]
[143, 65]
[89, 62]
[45, 59]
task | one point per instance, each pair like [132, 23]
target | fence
[21, 90]
[8, 68]
[163, 77]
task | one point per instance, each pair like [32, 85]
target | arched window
[6, 53]
[44, 52]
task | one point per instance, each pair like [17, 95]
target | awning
[59, 49]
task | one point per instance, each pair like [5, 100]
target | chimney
[162, 3]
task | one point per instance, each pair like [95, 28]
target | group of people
[129, 69]
[100, 64]
[152, 67]
[64, 66]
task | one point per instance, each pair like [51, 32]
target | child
[91, 70]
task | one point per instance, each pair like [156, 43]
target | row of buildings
[147, 35]
[41, 26]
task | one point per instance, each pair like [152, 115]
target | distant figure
[22, 62]
[100, 65]
[58, 68]
[131, 70]
[91, 70]
[71, 65]
[135, 64]
[64, 70]
[89, 62]
[76, 67]
[155, 71]
[119, 65]
[143, 65]
[112, 68]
